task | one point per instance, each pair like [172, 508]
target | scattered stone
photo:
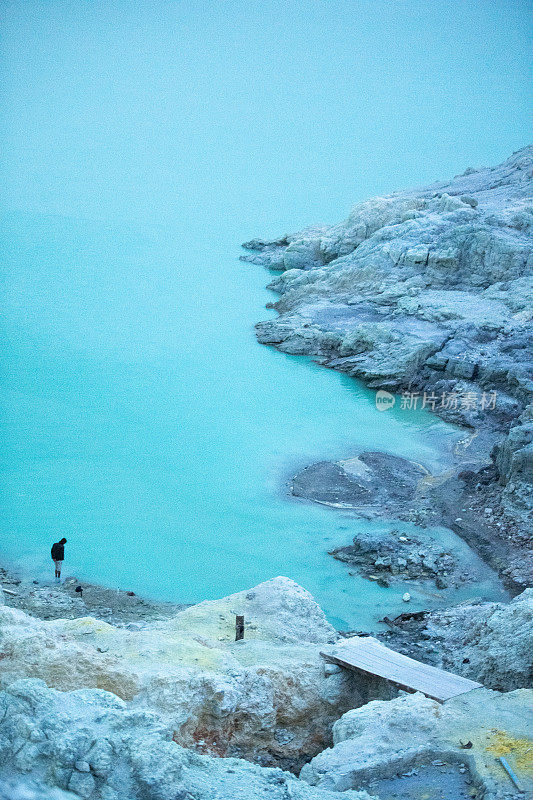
[61, 601]
[390, 558]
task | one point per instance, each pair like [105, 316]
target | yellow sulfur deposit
[501, 744]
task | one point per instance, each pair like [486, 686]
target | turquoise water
[145, 424]
[141, 144]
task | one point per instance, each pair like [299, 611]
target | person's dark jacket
[58, 551]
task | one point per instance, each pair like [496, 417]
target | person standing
[58, 555]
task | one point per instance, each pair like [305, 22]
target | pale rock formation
[491, 643]
[267, 697]
[383, 738]
[33, 648]
[89, 743]
[16, 789]
[184, 693]
[443, 269]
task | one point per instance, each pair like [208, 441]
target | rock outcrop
[170, 708]
[266, 698]
[487, 642]
[384, 738]
[427, 292]
[491, 642]
[91, 744]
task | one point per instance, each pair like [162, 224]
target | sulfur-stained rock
[217, 695]
[383, 738]
[146, 762]
[195, 695]
[33, 648]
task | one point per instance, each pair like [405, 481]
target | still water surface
[141, 144]
[143, 422]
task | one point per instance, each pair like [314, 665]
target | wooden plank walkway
[368, 655]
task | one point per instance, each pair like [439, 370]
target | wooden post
[239, 627]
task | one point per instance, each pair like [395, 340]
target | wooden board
[368, 655]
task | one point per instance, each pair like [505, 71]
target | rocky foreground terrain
[487, 642]
[175, 708]
[428, 294]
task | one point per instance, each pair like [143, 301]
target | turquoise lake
[140, 418]
[145, 424]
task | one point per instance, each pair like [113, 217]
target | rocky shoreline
[107, 696]
[467, 502]
[426, 296]
[49, 600]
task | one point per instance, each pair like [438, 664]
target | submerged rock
[371, 481]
